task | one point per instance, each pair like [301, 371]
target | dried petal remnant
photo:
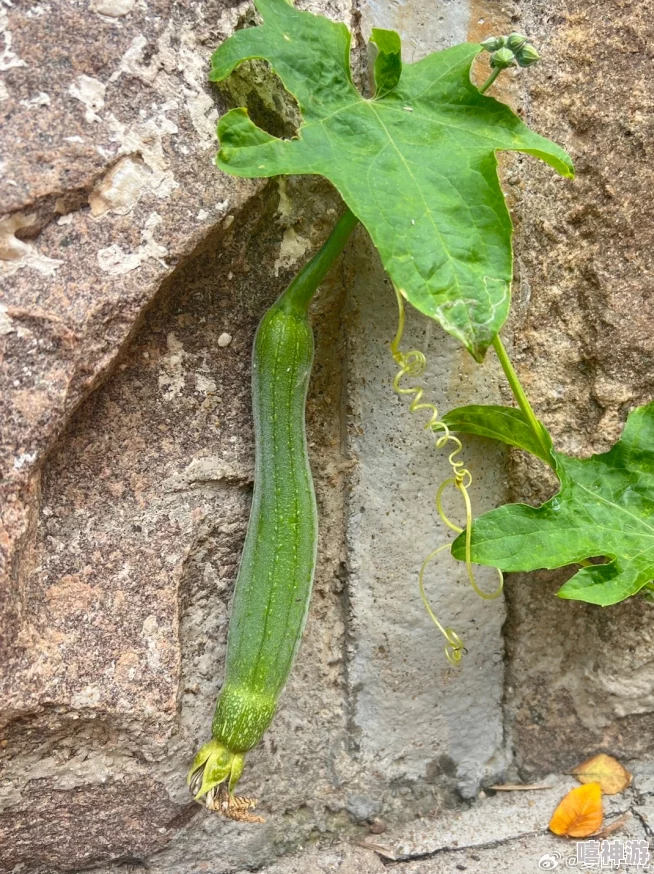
[235, 807]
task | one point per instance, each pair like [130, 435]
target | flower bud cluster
[505, 51]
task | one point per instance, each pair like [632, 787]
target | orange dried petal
[605, 770]
[580, 812]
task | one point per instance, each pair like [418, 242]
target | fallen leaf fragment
[580, 812]
[385, 852]
[520, 787]
[606, 771]
[613, 827]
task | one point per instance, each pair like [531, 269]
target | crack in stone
[486, 845]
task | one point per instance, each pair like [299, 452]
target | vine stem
[493, 76]
[498, 346]
[519, 392]
[304, 285]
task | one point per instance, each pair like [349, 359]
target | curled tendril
[412, 364]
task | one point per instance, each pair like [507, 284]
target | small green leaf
[416, 165]
[506, 424]
[388, 63]
[605, 507]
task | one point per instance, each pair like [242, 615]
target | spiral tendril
[412, 364]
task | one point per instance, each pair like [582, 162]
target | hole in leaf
[256, 86]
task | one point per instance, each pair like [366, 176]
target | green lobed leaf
[506, 424]
[416, 164]
[605, 507]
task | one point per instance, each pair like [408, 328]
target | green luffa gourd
[274, 582]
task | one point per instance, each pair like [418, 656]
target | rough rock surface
[581, 676]
[110, 188]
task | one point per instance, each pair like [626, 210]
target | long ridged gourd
[273, 586]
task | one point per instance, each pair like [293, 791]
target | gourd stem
[519, 393]
[299, 293]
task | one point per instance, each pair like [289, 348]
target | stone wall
[133, 277]
[579, 676]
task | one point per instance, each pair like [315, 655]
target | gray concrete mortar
[413, 715]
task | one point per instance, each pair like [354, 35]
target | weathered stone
[45, 827]
[76, 279]
[505, 833]
[408, 704]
